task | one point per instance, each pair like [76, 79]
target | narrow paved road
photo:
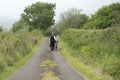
[32, 71]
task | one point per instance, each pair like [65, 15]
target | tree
[39, 15]
[107, 16]
[19, 25]
[73, 18]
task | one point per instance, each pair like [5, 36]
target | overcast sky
[13, 8]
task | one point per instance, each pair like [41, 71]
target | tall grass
[87, 71]
[97, 48]
[16, 46]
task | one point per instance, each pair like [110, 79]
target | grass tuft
[48, 64]
[49, 75]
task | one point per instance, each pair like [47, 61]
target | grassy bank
[95, 53]
[16, 50]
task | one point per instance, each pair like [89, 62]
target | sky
[12, 9]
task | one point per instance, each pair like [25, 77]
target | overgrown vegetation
[19, 25]
[72, 18]
[97, 48]
[20, 40]
[107, 16]
[87, 71]
[16, 46]
[48, 74]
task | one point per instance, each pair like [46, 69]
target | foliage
[107, 16]
[97, 48]
[15, 46]
[39, 15]
[73, 18]
[19, 25]
[2, 66]
[89, 72]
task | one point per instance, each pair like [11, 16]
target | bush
[105, 17]
[97, 48]
[15, 46]
[10, 61]
[2, 66]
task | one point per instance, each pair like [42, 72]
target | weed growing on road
[48, 74]
[48, 64]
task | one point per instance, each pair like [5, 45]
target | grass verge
[89, 72]
[10, 70]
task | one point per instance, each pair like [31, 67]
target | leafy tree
[73, 18]
[107, 16]
[39, 15]
[17, 26]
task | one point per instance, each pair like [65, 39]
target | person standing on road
[52, 41]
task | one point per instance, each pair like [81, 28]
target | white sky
[13, 8]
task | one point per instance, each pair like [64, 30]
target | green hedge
[15, 46]
[98, 48]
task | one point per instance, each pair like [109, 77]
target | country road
[32, 71]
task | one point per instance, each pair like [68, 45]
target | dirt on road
[32, 70]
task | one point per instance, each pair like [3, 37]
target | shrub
[97, 48]
[2, 66]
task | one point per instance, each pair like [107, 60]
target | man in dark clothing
[52, 41]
